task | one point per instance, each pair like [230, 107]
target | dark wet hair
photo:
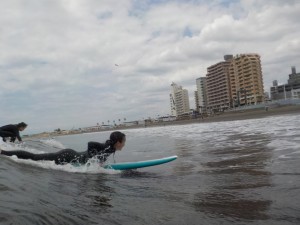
[115, 137]
[22, 124]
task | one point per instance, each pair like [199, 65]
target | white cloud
[75, 63]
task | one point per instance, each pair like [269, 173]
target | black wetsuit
[98, 150]
[11, 131]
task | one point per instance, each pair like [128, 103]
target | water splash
[52, 142]
[90, 167]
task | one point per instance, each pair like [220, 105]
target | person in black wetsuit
[100, 151]
[12, 131]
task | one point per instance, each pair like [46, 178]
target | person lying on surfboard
[101, 151]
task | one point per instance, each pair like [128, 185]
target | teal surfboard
[139, 164]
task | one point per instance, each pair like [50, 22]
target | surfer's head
[117, 140]
[21, 126]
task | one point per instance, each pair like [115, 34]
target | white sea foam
[281, 144]
[91, 168]
[52, 142]
[11, 146]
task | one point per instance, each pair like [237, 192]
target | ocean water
[233, 172]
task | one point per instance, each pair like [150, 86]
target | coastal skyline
[78, 63]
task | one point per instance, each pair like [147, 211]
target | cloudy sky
[75, 63]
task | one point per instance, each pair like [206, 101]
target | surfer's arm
[100, 150]
[18, 136]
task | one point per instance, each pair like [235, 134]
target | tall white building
[179, 100]
[201, 92]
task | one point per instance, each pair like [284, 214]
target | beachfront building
[218, 86]
[246, 82]
[289, 90]
[179, 101]
[201, 98]
[267, 96]
[294, 77]
[234, 82]
[196, 101]
[295, 94]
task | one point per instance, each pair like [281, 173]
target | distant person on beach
[12, 131]
[100, 151]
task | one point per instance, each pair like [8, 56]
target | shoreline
[226, 116]
[233, 115]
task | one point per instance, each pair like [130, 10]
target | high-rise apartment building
[294, 77]
[196, 101]
[289, 90]
[234, 82]
[201, 98]
[246, 83]
[218, 85]
[179, 100]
